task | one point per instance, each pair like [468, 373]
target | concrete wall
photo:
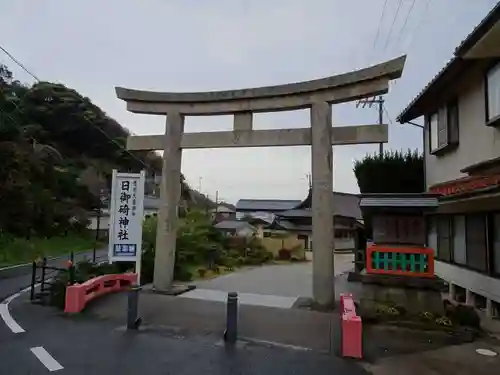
[287, 241]
[345, 244]
[477, 142]
[475, 282]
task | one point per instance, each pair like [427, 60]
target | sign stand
[126, 218]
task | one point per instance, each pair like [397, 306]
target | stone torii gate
[317, 95]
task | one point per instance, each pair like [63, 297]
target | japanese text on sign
[126, 231]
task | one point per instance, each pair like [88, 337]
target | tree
[57, 149]
[392, 172]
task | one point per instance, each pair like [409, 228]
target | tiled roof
[344, 204]
[233, 224]
[221, 209]
[454, 65]
[300, 212]
[265, 204]
[347, 205]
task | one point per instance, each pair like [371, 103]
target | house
[295, 217]
[236, 228]
[222, 212]
[461, 110]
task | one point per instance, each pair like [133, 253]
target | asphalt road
[49, 341]
[85, 345]
[15, 279]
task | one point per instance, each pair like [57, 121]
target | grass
[20, 250]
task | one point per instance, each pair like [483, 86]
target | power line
[405, 21]
[419, 22]
[379, 25]
[18, 63]
[387, 114]
[392, 25]
[86, 119]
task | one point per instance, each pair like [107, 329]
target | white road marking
[5, 312]
[47, 360]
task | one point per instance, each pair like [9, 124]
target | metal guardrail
[25, 268]
[45, 281]
[42, 274]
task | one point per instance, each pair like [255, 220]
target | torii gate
[317, 95]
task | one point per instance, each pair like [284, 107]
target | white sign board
[126, 218]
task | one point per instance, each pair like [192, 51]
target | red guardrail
[351, 328]
[78, 295]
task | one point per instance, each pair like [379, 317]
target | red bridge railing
[78, 295]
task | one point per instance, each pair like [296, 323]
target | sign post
[126, 217]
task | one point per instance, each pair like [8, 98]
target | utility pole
[370, 102]
[216, 201]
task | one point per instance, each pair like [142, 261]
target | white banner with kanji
[126, 217]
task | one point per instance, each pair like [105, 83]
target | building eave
[425, 101]
[479, 31]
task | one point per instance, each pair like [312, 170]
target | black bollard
[231, 333]
[133, 320]
[33, 281]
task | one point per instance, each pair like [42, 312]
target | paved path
[273, 286]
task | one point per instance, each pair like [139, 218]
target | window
[432, 234]
[476, 247]
[452, 121]
[493, 94]
[443, 127]
[444, 238]
[433, 128]
[459, 252]
[496, 244]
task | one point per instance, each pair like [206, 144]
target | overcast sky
[198, 45]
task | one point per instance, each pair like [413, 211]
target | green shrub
[198, 242]
[462, 315]
[284, 254]
[182, 274]
[202, 272]
[230, 264]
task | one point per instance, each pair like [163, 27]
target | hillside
[57, 151]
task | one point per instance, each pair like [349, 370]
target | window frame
[492, 229]
[451, 128]
[439, 253]
[489, 231]
[491, 120]
[487, 268]
[433, 146]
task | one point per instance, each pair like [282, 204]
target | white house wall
[477, 142]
